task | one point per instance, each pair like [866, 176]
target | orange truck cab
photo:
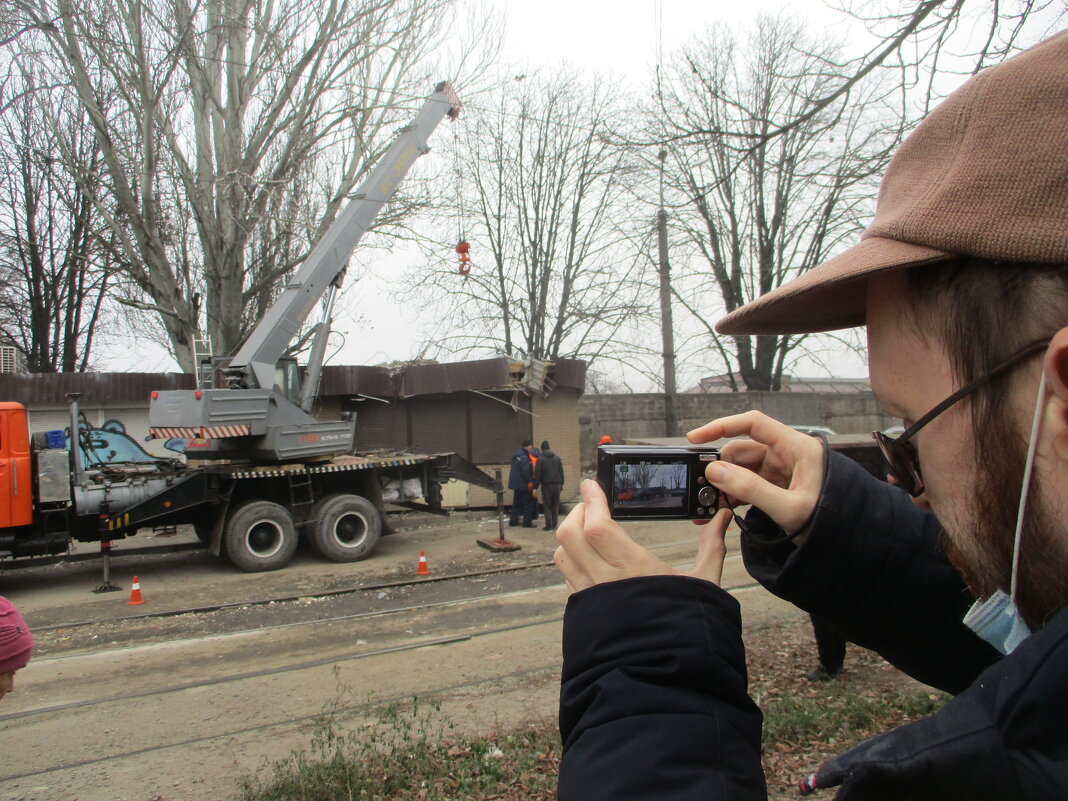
[16, 477]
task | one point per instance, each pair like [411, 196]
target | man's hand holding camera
[778, 469]
[595, 549]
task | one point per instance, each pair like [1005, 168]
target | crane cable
[463, 247]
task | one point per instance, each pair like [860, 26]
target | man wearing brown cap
[958, 575]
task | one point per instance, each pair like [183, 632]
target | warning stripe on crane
[200, 432]
[358, 464]
[121, 521]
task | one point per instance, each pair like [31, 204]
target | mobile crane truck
[261, 469]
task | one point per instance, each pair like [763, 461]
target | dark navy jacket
[653, 701]
[521, 472]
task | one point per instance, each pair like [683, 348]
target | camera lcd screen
[653, 486]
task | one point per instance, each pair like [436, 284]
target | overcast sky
[621, 38]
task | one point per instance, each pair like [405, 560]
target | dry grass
[414, 753]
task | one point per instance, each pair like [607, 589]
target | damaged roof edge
[432, 379]
[384, 382]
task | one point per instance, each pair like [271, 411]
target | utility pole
[671, 417]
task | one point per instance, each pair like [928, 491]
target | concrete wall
[624, 417]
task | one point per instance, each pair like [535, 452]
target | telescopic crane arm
[253, 366]
[252, 419]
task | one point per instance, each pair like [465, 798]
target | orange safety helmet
[605, 440]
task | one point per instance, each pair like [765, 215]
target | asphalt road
[119, 704]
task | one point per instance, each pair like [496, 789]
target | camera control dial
[706, 496]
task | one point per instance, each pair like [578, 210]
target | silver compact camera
[657, 483]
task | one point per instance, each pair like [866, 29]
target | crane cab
[16, 475]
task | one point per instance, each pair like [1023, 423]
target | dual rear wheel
[261, 535]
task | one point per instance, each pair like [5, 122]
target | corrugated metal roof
[380, 382]
[384, 382]
[51, 388]
[429, 379]
[411, 380]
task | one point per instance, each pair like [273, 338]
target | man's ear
[1055, 367]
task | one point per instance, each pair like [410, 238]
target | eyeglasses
[901, 453]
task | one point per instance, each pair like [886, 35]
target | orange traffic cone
[423, 569]
[135, 593]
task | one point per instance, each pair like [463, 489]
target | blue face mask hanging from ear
[997, 619]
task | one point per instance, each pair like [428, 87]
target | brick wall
[556, 419]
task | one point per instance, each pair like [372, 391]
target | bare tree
[643, 473]
[231, 131]
[679, 474]
[53, 271]
[918, 40]
[752, 210]
[540, 192]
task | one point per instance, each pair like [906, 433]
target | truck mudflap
[184, 493]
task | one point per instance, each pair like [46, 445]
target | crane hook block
[463, 248]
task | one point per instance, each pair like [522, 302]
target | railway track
[134, 699]
[342, 711]
[549, 666]
[413, 610]
[307, 596]
[293, 597]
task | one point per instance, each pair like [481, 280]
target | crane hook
[463, 247]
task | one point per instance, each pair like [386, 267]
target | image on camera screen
[650, 485]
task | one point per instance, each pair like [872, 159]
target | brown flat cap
[985, 174]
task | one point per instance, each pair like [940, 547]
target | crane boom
[267, 343]
[256, 416]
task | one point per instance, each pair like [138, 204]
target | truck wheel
[259, 535]
[346, 528]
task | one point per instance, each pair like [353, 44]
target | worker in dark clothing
[957, 573]
[549, 478]
[535, 454]
[521, 482]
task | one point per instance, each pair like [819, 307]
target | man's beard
[983, 554]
